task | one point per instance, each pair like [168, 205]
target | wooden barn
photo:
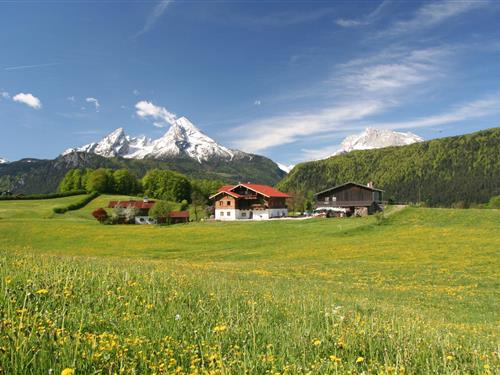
[349, 199]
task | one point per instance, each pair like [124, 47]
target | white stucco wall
[245, 214]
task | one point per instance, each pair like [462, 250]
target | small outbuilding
[350, 199]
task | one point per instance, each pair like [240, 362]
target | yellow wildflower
[42, 291]
[334, 358]
[360, 360]
[316, 342]
[220, 328]
[68, 371]
[450, 358]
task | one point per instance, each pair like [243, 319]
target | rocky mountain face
[183, 139]
[376, 138]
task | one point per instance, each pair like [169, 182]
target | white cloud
[136, 92]
[489, 105]
[365, 20]
[358, 89]
[391, 70]
[28, 99]
[4, 95]
[291, 127]
[71, 98]
[21, 67]
[161, 115]
[434, 13]
[95, 102]
[257, 102]
[154, 16]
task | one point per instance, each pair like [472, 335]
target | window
[243, 214]
[334, 198]
[220, 203]
[222, 214]
[228, 213]
[228, 203]
[327, 199]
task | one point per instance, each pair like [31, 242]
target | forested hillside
[30, 176]
[438, 172]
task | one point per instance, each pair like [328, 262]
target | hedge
[77, 205]
[42, 196]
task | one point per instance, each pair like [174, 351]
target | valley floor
[416, 292]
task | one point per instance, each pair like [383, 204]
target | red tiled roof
[265, 190]
[179, 214]
[136, 204]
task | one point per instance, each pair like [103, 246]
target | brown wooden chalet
[250, 202]
[350, 198]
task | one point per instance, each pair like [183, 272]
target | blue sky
[288, 80]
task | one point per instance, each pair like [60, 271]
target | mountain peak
[3, 161]
[372, 138]
[183, 138]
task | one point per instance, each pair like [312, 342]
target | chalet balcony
[249, 196]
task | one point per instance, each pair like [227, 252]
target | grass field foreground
[414, 293]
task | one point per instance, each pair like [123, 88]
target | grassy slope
[423, 272]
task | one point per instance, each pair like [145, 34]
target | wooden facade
[249, 201]
[353, 197]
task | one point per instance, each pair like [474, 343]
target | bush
[42, 196]
[100, 214]
[77, 205]
[494, 202]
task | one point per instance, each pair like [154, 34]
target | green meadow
[414, 291]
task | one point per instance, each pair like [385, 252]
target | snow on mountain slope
[3, 161]
[376, 138]
[285, 168]
[183, 138]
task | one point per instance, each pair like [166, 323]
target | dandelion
[220, 328]
[334, 358]
[316, 342]
[68, 371]
[42, 291]
[450, 358]
[360, 360]
[177, 317]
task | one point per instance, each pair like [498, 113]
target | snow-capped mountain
[183, 138]
[285, 168]
[376, 138]
[3, 161]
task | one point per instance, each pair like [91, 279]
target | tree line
[159, 184]
[460, 171]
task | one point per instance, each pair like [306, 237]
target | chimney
[370, 184]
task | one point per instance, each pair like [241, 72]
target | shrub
[494, 202]
[100, 214]
[77, 205]
[42, 196]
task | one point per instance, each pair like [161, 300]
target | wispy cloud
[489, 105]
[357, 91]
[21, 67]
[364, 20]
[95, 102]
[291, 127]
[286, 18]
[71, 99]
[154, 16]
[28, 99]
[161, 116]
[432, 14]
[4, 95]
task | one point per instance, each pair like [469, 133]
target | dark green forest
[441, 172]
[34, 176]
